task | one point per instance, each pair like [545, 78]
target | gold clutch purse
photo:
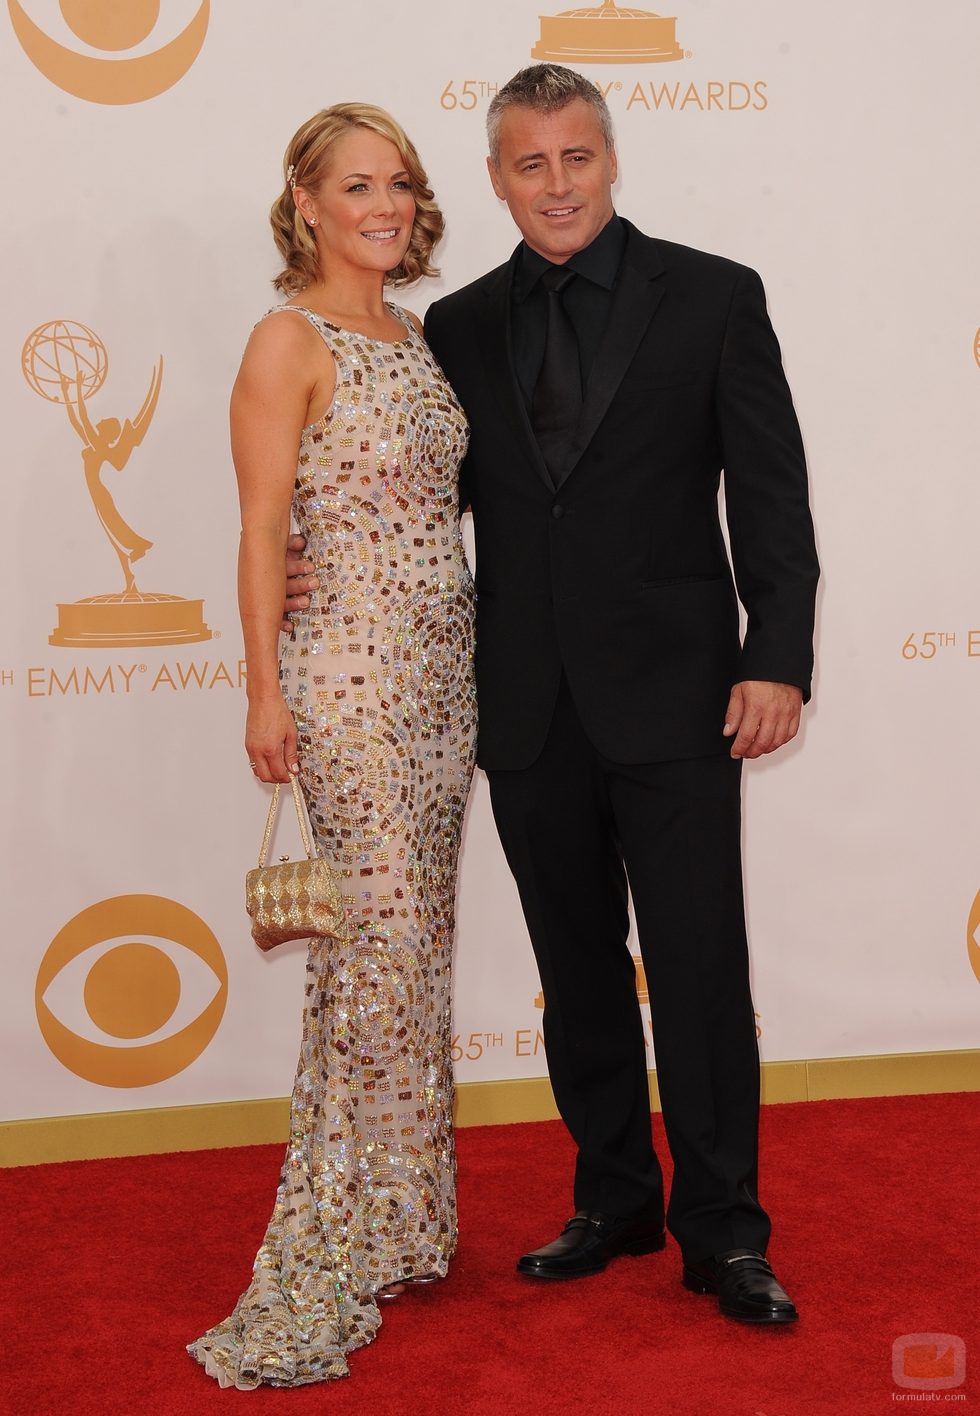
[293, 899]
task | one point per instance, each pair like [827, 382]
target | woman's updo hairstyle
[304, 166]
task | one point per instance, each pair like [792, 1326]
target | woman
[371, 701]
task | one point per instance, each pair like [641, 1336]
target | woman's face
[364, 207]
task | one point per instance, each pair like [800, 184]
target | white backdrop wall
[832, 147]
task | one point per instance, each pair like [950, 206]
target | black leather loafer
[589, 1240]
[745, 1284]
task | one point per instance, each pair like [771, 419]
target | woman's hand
[271, 740]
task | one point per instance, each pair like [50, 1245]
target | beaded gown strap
[403, 315]
[317, 321]
[325, 327]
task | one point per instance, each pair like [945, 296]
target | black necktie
[557, 400]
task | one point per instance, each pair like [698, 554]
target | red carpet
[111, 1266]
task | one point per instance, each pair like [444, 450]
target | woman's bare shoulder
[280, 343]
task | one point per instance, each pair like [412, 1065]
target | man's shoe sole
[776, 1318]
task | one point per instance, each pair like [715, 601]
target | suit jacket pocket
[683, 580]
[640, 380]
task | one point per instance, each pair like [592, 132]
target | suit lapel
[499, 359]
[639, 290]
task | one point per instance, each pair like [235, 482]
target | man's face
[555, 173]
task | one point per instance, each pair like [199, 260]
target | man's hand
[299, 580]
[762, 716]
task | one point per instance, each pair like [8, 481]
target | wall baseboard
[246, 1123]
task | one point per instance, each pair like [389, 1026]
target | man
[608, 379]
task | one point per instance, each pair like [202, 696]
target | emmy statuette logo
[114, 978]
[112, 27]
[66, 363]
[608, 34]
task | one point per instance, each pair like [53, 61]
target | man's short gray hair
[546, 88]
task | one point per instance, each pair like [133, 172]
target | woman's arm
[282, 370]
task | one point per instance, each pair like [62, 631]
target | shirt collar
[598, 262]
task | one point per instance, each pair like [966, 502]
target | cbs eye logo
[111, 27]
[973, 937]
[131, 991]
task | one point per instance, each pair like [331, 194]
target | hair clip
[291, 177]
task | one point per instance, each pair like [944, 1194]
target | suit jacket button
[558, 511]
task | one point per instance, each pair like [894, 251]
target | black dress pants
[576, 827]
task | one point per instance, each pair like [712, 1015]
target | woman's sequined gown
[379, 677]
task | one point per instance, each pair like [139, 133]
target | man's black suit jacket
[620, 574]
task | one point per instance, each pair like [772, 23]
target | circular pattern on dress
[426, 445]
[380, 998]
[403, 1210]
[370, 778]
[429, 654]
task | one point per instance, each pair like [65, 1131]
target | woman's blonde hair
[304, 165]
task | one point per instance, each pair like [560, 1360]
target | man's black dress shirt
[587, 300]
